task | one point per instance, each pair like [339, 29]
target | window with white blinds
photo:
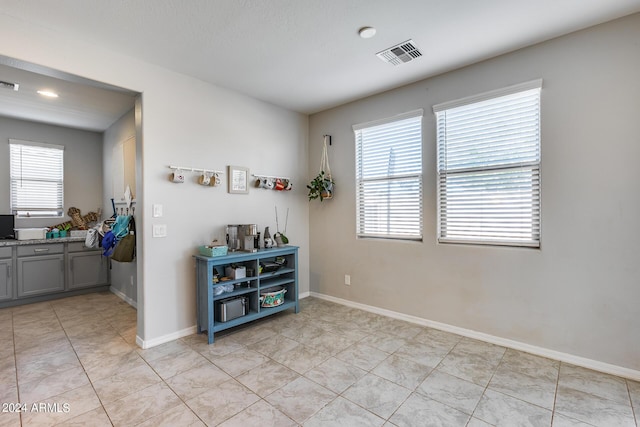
[489, 168]
[389, 177]
[37, 179]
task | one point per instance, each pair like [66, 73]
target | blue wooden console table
[251, 286]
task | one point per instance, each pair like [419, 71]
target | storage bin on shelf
[30, 233]
[272, 299]
[235, 271]
[213, 250]
[219, 290]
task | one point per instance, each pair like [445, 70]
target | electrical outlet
[347, 280]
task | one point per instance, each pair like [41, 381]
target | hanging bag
[91, 240]
[125, 250]
[121, 227]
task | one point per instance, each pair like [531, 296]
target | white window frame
[478, 215]
[389, 222]
[52, 184]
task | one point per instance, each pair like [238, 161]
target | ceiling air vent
[7, 85]
[401, 53]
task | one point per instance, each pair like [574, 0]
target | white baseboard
[504, 342]
[145, 344]
[179, 334]
[122, 296]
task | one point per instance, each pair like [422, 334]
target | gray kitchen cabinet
[6, 274]
[40, 269]
[86, 267]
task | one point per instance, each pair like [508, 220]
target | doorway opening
[106, 180]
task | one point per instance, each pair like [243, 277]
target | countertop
[40, 241]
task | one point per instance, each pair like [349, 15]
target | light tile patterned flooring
[328, 365]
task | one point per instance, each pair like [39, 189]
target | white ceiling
[306, 55]
[81, 103]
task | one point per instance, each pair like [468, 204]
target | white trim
[123, 297]
[504, 342]
[533, 84]
[408, 115]
[183, 333]
[165, 338]
[36, 144]
[469, 241]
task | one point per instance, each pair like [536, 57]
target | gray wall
[188, 123]
[579, 293]
[82, 166]
[124, 278]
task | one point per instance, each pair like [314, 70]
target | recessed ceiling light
[367, 32]
[48, 93]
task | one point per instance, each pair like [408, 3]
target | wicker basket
[213, 250]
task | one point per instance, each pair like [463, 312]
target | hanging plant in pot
[321, 187]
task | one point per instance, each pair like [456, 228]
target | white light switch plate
[159, 230]
[157, 211]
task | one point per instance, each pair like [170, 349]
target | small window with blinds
[36, 179]
[489, 168]
[389, 177]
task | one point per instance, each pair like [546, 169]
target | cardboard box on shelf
[237, 272]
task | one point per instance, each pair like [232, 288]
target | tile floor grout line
[228, 380]
[15, 362]
[262, 399]
[633, 410]
[83, 369]
[59, 311]
[162, 380]
[593, 394]
[487, 388]
[555, 394]
[370, 371]
[436, 367]
[302, 375]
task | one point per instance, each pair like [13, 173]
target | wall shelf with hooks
[121, 207]
[255, 175]
[272, 182]
[208, 178]
[186, 169]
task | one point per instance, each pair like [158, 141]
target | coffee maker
[233, 243]
[242, 237]
[248, 236]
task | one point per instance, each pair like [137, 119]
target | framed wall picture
[238, 179]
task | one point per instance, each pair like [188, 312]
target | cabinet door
[40, 275]
[87, 269]
[6, 279]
